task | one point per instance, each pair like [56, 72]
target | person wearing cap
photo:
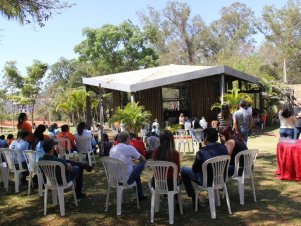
[242, 121]
[74, 170]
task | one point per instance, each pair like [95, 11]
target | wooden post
[101, 117]
[132, 97]
[88, 110]
[222, 87]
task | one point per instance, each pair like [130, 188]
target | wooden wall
[116, 98]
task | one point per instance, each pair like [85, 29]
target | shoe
[142, 198]
[80, 195]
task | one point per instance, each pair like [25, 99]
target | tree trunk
[284, 71]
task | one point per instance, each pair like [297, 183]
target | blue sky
[61, 33]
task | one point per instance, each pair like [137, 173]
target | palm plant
[232, 98]
[133, 116]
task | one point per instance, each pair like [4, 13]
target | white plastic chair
[249, 157]
[219, 166]
[83, 145]
[196, 139]
[61, 146]
[159, 170]
[10, 155]
[31, 160]
[49, 169]
[117, 178]
[182, 140]
[4, 171]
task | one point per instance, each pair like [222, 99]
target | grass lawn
[278, 202]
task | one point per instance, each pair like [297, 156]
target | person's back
[20, 145]
[3, 142]
[242, 120]
[66, 134]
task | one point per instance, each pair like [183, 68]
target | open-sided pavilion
[168, 90]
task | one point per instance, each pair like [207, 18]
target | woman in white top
[82, 132]
[287, 120]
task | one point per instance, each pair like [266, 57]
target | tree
[37, 11]
[112, 49]
[133, 116]
[282, 28]
[61, 71]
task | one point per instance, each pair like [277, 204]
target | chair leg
[61, 202]
[5, 178]
[157, 203]
[107, 199]
[17, 181]
[29, 183]
[74, 195]
[217, 198]
[171, 207]
[137, 197]
[180, 203]
[227, 198]
[45, 200]
[89, 158]
[241, 191]
[212, 202]
[153, 203]
[40, 184]
[54, 197]
[253, 187]
[196, 200]
[119, 197]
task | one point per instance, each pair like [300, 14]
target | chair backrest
[10, 156]
[249, 157]
[159, 171]
[197, 133]
[63, 145]
[115, 171]
[181, 134]
[83, 144]
[219, 166]
[31, 160]
[54, 172]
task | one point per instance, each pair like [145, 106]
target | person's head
[105, 137]
[133, 136]
[81, 127]
[10, 136]
[225, 110]
[167, 146]
[210, 135]
[52, 127]
[182, 115]
[2, 137]
[153, 133]
[242, 103]
[123, 137]
[287, 110]
[22, 118]
[156, 120]
[38, 133]
[225, 134]
[65, 128]
[48, 146]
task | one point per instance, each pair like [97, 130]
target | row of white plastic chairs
[116, 178]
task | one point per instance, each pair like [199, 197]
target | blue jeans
[245, 133]
[187, 176]
[288, 133]
[77, 175]
[135, 176]
[297, 133]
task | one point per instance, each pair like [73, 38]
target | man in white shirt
[127, 153]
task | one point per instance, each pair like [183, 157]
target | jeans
[297, 131]
[245, 133]
[77, 175]
[288, 133]
[187, 176]
[135, 176]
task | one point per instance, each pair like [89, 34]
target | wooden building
[169, 90]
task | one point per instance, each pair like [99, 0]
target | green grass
[278, 202]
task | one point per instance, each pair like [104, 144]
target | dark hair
[123, 136]
[133, 135]
[167, 146]
[105, 137]
[48, 145]
[225, 113]
[22, 134]
[287, 110]
[65, 128]
[38, 133]
[2, 137]
[80, 128]
[21, 118]
[210, 134]
[52, 127]
[10, 136]
[228, 133]
[242, 103]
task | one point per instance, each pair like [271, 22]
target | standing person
[127, 153]
[287, 121]
[138, 144]
[297, 112]
[242, 121]
[224, 118]
[66, 134]
[23, 125]
[152, 143]
[212, 149]
[167, 152]
[182, 120]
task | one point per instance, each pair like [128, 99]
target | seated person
[127, 153]
[39, 135]
[3, 142]
[167, 152]
[66, 134]
[211, 150]
[74, 170]
[152, 143]
[21, 144]
[234, 145]
[9, 139]
[53, 130]
[107, 144]
[138, 144]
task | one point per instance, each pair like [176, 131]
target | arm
[197, 164]
[235, 126]
[250, 122]
[230, 145]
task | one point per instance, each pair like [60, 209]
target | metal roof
[133, 81]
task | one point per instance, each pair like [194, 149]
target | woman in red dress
[23, 125]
